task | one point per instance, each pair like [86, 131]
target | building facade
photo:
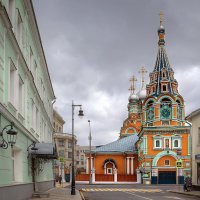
[194, 118]
[26, 96]
[164, 138]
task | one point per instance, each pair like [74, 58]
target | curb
[188, 193]
[81, 194]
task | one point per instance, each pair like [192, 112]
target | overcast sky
[93, 47]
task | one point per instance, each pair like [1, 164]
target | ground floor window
[198, 173]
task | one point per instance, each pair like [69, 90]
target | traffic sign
[179, 164]
[62, 160]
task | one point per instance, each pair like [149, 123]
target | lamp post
[11, 136]
[80, 114]
[90, 140]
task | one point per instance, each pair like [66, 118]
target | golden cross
[132, 87]
[161, 18]
[142, 71]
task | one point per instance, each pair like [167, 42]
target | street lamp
[11, 136]
[90, 140]
[80, 114]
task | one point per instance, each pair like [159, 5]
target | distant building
[26, 97]
[58, 122]
[82, 159]
[63, 143]
[194, 118]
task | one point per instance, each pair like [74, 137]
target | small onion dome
[142, 94]
[161, 29]
[133, 97]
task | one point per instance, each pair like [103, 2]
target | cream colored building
[194, 118]
[58, 122]
[63, 143]
[82, 159]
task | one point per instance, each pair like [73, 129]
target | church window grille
[165, 109]
[150, 111]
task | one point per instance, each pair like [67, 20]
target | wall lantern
[11, 136]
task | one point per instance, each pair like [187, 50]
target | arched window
[175, 143]
[150, 111]
[157, 143]
[179, 111]
[165, 109]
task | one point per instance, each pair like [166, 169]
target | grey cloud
[94, 46]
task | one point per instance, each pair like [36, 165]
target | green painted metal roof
[126, 144]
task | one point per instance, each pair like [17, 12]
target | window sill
[157, 148]
[177, 148]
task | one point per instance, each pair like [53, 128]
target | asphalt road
[128, 192]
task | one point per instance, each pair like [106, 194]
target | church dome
[133, 97]
[142, 94]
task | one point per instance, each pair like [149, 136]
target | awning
[43, 150]
[197, 157]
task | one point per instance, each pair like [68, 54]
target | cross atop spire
[161, 31]
[161, 18]
[142, 71]
[132, 87]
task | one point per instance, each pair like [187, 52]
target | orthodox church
[154, 145]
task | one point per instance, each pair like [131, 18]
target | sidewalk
[61, 193]
[192, 193]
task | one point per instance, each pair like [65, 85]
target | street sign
[62, 160]
[179, 164]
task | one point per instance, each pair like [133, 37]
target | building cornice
[30, 11]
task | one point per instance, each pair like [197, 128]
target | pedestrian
[60, 179]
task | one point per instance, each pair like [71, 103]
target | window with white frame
[19, 28]
[21, 96]
[157, 142]
[176, 142]
[167, 162]
[12, 82]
